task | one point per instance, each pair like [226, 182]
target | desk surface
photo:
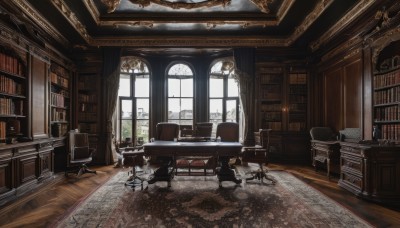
[171, 148]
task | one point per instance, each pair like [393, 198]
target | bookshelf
[87, 107]
[60, 99]
[386, 84]
[12, 96]
[282, 105]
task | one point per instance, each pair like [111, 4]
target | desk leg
[164, 173]
[226, 173]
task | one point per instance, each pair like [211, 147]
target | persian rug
[200, 202]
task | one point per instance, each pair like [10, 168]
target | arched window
[180, 94]
[223, 94]
[134, 100]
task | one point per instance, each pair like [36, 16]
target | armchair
[80, 153]
[325, 149]
[258, 154]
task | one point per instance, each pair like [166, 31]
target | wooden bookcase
[88, 106]
[387, 98]
[13, 98]
[60, 100]
[282, 105]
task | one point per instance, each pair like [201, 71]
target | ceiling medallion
[182, 4]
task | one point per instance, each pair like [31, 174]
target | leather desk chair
[80, 153]
[258, 154]
[325, 149]
[203, 129]
[228, 132]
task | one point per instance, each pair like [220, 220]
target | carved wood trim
[381, 42]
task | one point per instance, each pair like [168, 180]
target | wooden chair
[258, 154]
[203, 129]
[80, 154]
[325, 149]
[228, 132]
[133, 157]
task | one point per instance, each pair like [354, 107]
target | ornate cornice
[286, 5]
[310, 19]
[345, 47]
[111, 5]
[358, 9]
[380, 43]
[189, 42]
[92, 10]
[25, 7]
[179, 4]
[72, 19]
[262, 5]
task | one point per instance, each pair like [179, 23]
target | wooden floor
[47, 205]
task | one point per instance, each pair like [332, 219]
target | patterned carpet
[199, 202]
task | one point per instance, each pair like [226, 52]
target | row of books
[271, 107]
[270, 78]
[87, 116]
[387, 113]
[391, 78]
[3, 131]
[58, 70]
[298, 89]
[387, 96]
[277, 126]
[84, 107]
[58, 130]
[9, 106]
[297, 98]
[86, 83]
[391, 131]
[56, 79]
[297, 126]
[272, 116]
[298, 107]
[8, 85]
[58, 115]
[90, 128]
[57, 100]
[295, 117]
[298, 78]
[87, 98]
[10, 64]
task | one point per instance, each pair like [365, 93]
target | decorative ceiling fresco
[188, 23]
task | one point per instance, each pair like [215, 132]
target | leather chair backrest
[228, 131]
[203, 129]
[322, 134]
[167, 131]
[350, 135]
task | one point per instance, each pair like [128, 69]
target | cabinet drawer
[351, 150]
[352, 180]
[352, 165]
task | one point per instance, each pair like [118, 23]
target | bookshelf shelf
[386, 99]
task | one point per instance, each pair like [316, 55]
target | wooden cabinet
[282, 105]
[60, 100]
[387, 98]
[371, 171]
[13, 100]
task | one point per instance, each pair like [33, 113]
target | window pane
[142, 131]
[124, 86]
[142, 109]
[231, 111]
[186, 122]
[174, 87]
[180, 69]
[214, 128]
[187, 87]
[126, 109]
[216, 87]
[126, 129]
[215, 109]
[233, 90]
[142, 87]
[186, 109]
[173, 108]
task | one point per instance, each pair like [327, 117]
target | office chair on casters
[133, 157]
[258, 154]
[80, 153]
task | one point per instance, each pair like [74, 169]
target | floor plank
[48, 204]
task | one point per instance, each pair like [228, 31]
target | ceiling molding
[94, 12]
[27, 8]
[71, 18]
[282, 12]
[179, 4]
[356, 11]
[189, 42]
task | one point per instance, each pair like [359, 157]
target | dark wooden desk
[170, 150]
[328, 151]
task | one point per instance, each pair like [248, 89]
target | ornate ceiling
[189, 23]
